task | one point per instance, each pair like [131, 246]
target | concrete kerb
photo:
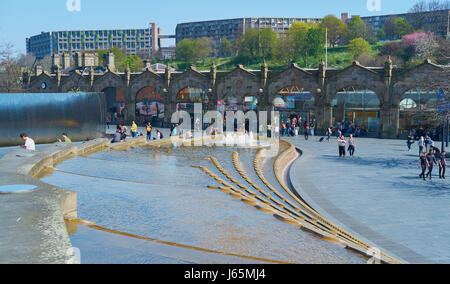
[33, 227]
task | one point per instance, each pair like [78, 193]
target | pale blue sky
[23, 18]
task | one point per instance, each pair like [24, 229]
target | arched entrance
[295, 100]
[419, 112]
[250, 102]
[115, 105]
[149, 106]
[357, 110]
[187, 97]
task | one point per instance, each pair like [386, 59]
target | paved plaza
[378, 195]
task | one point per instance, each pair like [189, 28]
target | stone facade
[387, 82]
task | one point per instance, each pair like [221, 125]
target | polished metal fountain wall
[45, 116]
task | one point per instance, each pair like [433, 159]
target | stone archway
[355, 109]
[149, 106]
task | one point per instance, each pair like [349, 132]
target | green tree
[202, 48]
[381, 34]
[249, 44]
[402, 27]
[296, 40]
[268, 41]
[359, 46]
[133, 61]
[357, 28]
[225, 48]
[315, 42]
[185, 51]
[337, 30]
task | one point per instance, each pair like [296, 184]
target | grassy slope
[338, 57]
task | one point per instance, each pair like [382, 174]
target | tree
[249, 44]
[297, 40]
[426, 46]
[185, 50]
[381, 35]
[315, 42]
[371, 33]
[402, 27]
[357, 28]
[268, 41]
[389, 28]
[134, 62]
[202, 48]
[337, 30]
[225, 48]
[10, 71]
[359, 46]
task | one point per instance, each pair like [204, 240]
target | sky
[20, 19]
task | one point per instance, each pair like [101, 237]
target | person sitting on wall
[29, 143]
[65, 138]
[118, 135]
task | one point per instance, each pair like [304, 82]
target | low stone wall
[33, 227]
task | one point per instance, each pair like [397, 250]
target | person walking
[29, 143]
[149, 131]
[351, 145]
[442, 165]
[421, 145]
[423, 163]
[427, 142]
[329, 132]
[307, 132]
[410, 142]
[342, 143]
[431, 162]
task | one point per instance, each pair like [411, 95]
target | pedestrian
[423, 163]
[29, 143]
[108, 122]
[351, 145]
[313, 127]
[149, 131]
[342, 143]
[431, 162]
[421, 145]
[329, 133]
[427, 142]
[307, 132]
[134, 129]
[442, 165]
[409, 142]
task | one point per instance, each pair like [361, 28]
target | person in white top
[29, 143]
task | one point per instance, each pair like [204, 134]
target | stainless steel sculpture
[45, 116]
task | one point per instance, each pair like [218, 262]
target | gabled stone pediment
[295, 70]
[240, 71]
[109, 75]
[353, 71]
[426, 66]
